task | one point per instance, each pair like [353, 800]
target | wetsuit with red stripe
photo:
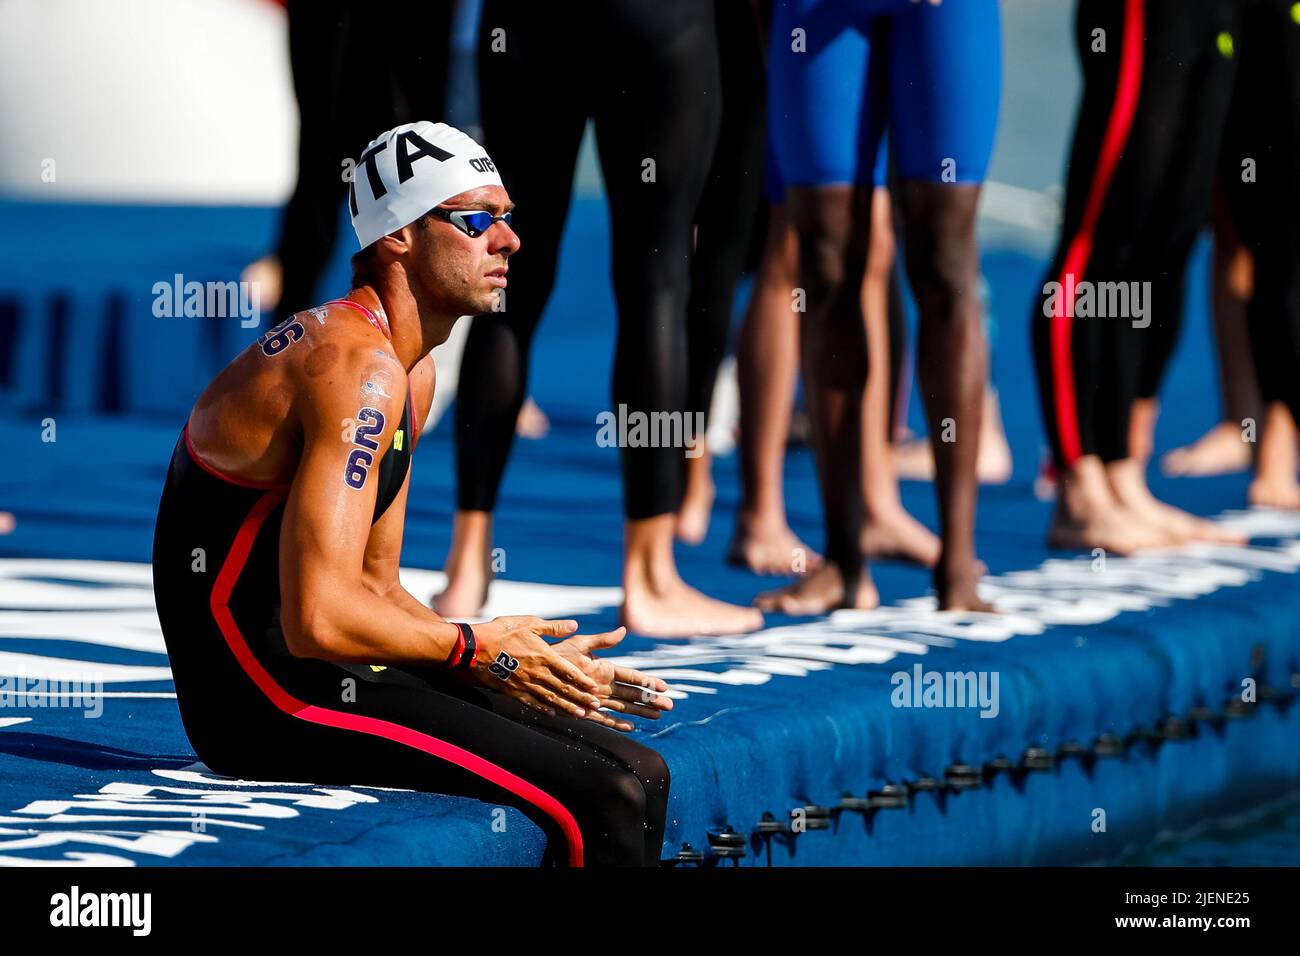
[252, 710]
[1158, 78]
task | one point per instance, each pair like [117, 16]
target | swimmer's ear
[398, 243]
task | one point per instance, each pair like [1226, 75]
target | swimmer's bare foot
[1275, 484]
[675, 609]
[658, 603]
[467, 568]
[1270, 492]
[532, 421]
[914, 459]
[818, 592]
[1088, 515]
[1129, 484]
[891, 534]
[1220, 451]
[1116, 531]
[766, 545]
[697, 500]
[955, 586]
[267, 276]
[7, 523]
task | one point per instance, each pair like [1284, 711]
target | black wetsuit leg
[614, 789]
[534, 100]
[359, 68]
[729, 208]
[652, 85]
[1239, 390]
[664, 106]
[1260, 176]
[1202, 47]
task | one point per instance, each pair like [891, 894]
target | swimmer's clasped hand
[565, 677]
[515, 660]
[503, 666]
[628, 691]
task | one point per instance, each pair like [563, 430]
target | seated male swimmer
[297, 654]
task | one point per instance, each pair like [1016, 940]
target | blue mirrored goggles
[472, 222]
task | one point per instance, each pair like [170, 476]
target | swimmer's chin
[478, 305]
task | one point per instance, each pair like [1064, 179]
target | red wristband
[453, 659]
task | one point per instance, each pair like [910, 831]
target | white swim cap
[410, 169]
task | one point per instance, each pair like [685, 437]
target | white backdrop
[146, 101]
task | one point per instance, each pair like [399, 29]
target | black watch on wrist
[466, 659]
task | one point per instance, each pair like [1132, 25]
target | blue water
[1266, 836]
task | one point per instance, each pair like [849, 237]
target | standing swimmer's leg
[945, 65]
[767, 367]
[1222, 450]
[767, 363]
[1127, 474]
[943, 266]
[341, 111]
[1160, 339]
[1276, 348]
[1189, 90]
[827, 104]
[724, 222]
[1157, 348]
[657, 107]
[1109, 201]
[888, 531]
[319, 37]
[833, 225]
[1275, 484]
[529, 95]
[1265, 123]
[419, 57]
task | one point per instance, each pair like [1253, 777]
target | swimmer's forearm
[412, 604]
[358, 626]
